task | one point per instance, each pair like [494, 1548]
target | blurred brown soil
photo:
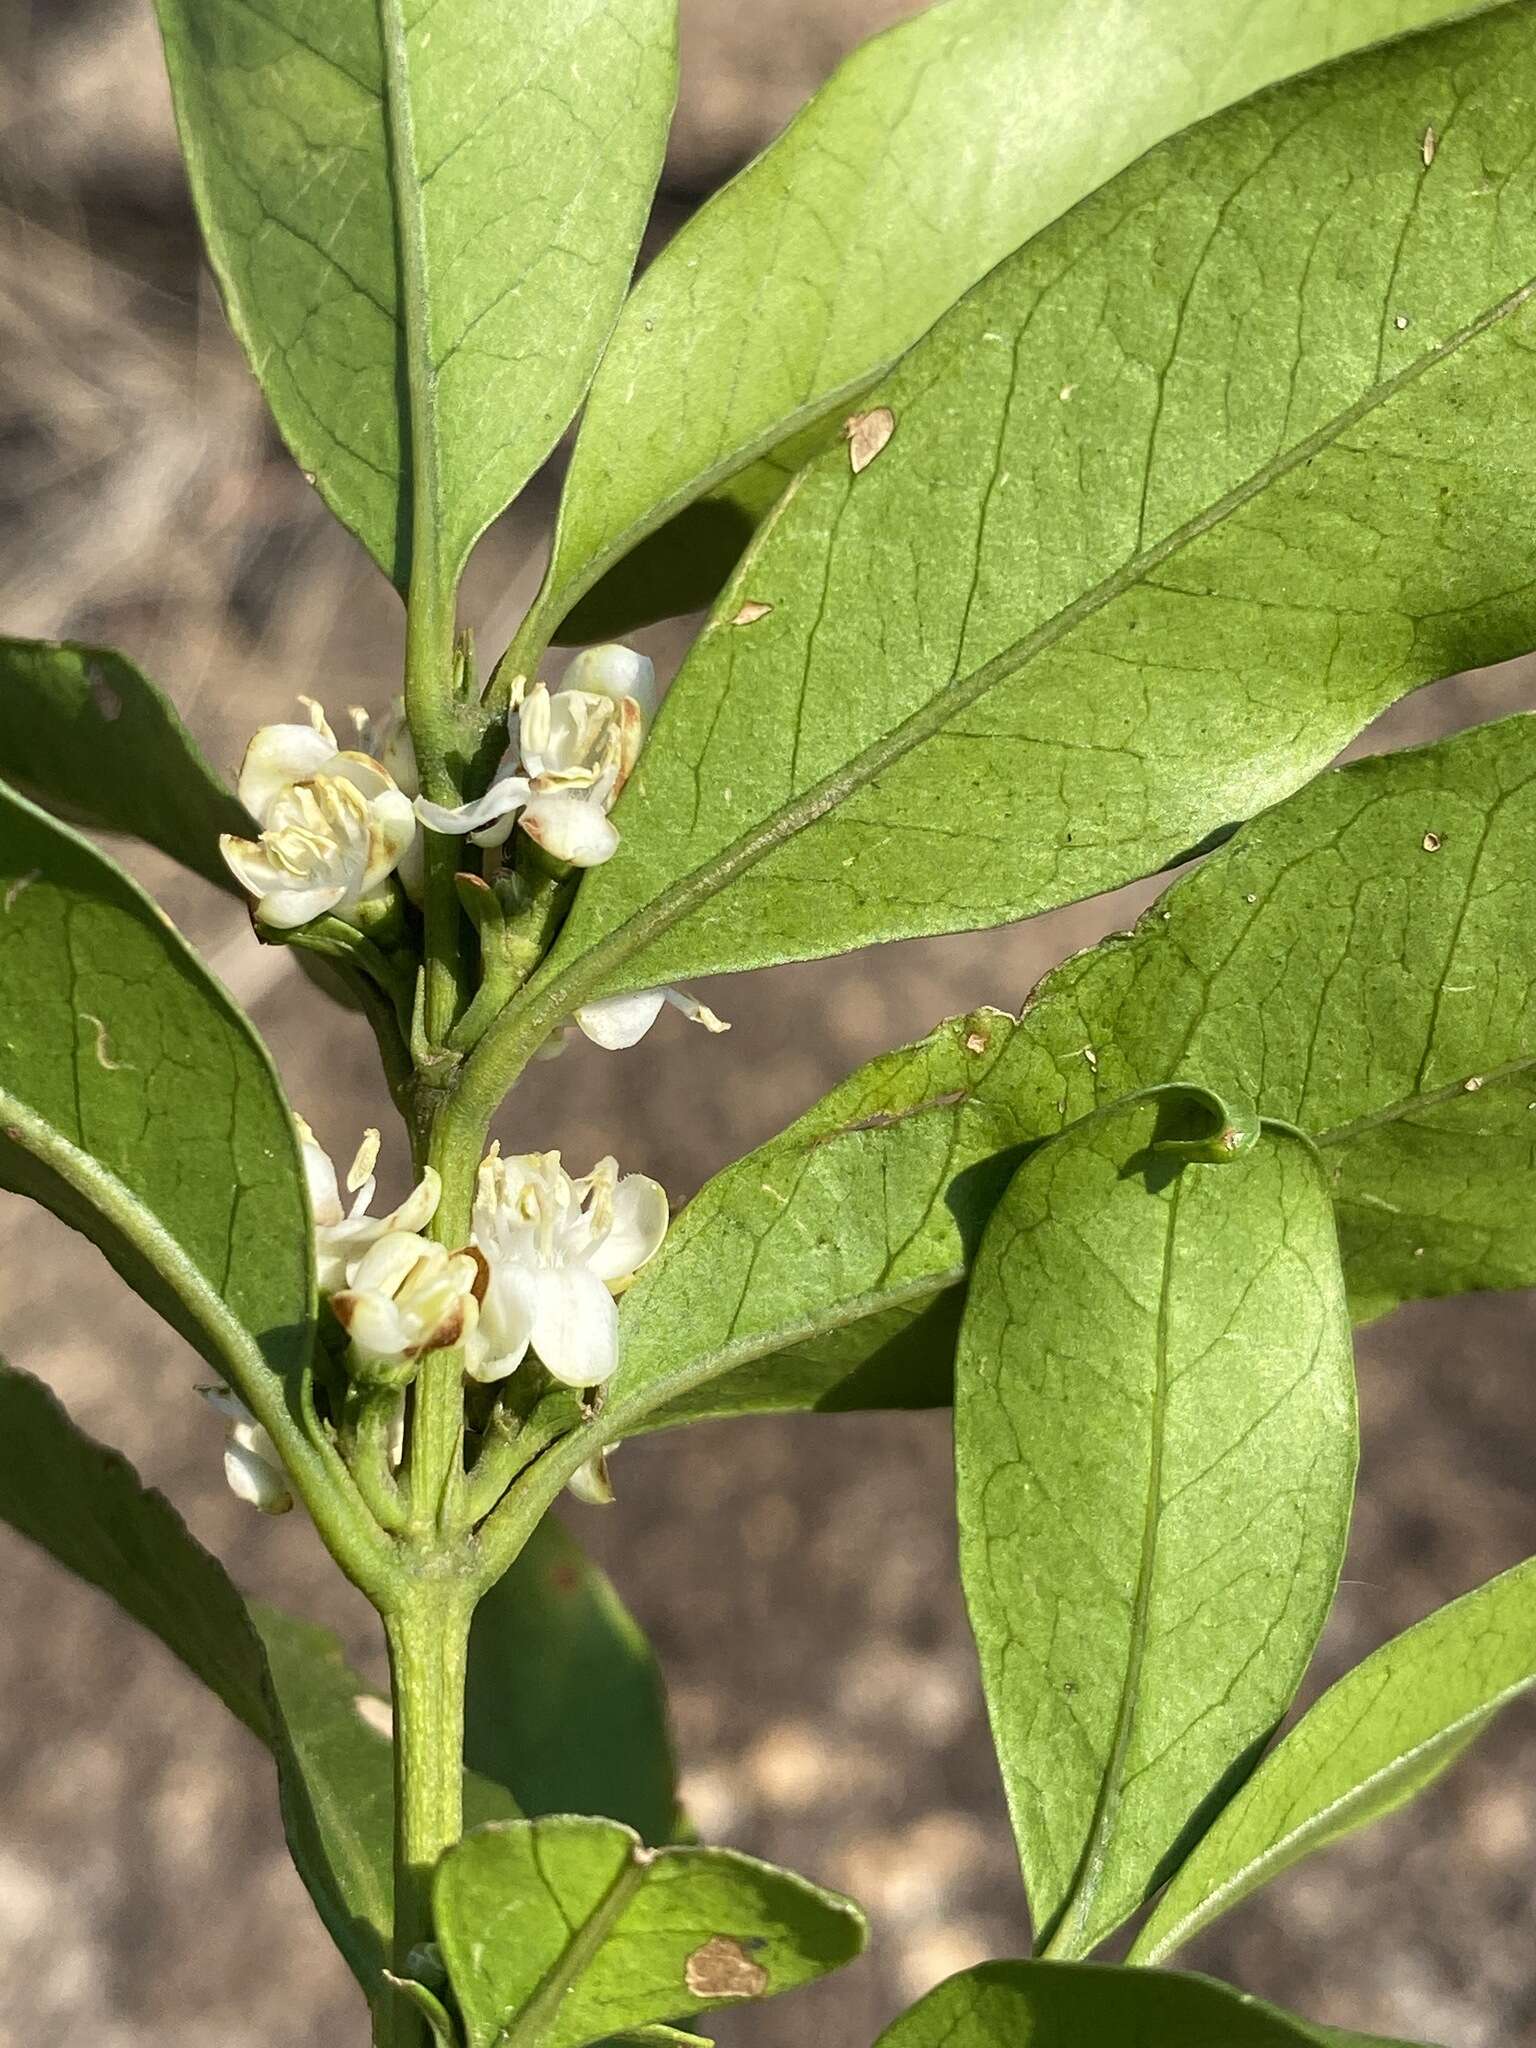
[797, 1575]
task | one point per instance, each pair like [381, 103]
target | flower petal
[367, 776]
[571, 827]
[391, 829]
[254, 1479]
[615, 671]
[372, 1319]
[419, 1206]
[319, 1176]
[499, 1342]
[501, 800]
[616, 1022]
[590, 1482]
[575, 1326]
[640, 1218]
[286, 909]
[278, 756]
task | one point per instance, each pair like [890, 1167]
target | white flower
[558, 1250]
[616, 1022]
[334, 826]
[342, 1237]
[406, 1295]
[574, 747]
[251, 1464]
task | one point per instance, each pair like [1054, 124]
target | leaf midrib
[1069, 1939]
[421, 571]
[559, 990]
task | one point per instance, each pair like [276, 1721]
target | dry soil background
[797, 1575]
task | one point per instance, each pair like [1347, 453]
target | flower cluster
[548, 1253]
[547, 1256]
[570, 751]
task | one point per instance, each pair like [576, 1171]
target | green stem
[437, 1417]
[428, 1637]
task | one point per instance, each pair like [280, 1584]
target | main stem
[428, 1637]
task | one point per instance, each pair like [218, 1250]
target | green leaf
[933, 152]
[1068, 2005]
[821, 1271]
[337, 1790]
[565, 1703]
[1155, 1453]
[1375, 1739]
[423, 221]
[562, 1931]
[138, 1104]
[86, 1506]
[812, 1272]
[1041, 645]
[86, 734]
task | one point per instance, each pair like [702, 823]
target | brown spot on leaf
[976, 1041]
[867, 434]
[753, 610]
[723, 1969]
[1432, 842]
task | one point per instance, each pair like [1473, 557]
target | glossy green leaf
[423, 221]
[86, 1506]
[1070, 2005]
[1039, 644]
[936, 150]
[139, 1105]
[821, 1271]
[1155, 1454]
[563, 1931]
[1375, 1739]
[565, 1703]
[85, 733]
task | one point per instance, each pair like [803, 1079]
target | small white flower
[558, 1250]
[342, 1236]
[616, 1022]
[334, 826]
[251, 1464]
[406, 1295]
[571, 751]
